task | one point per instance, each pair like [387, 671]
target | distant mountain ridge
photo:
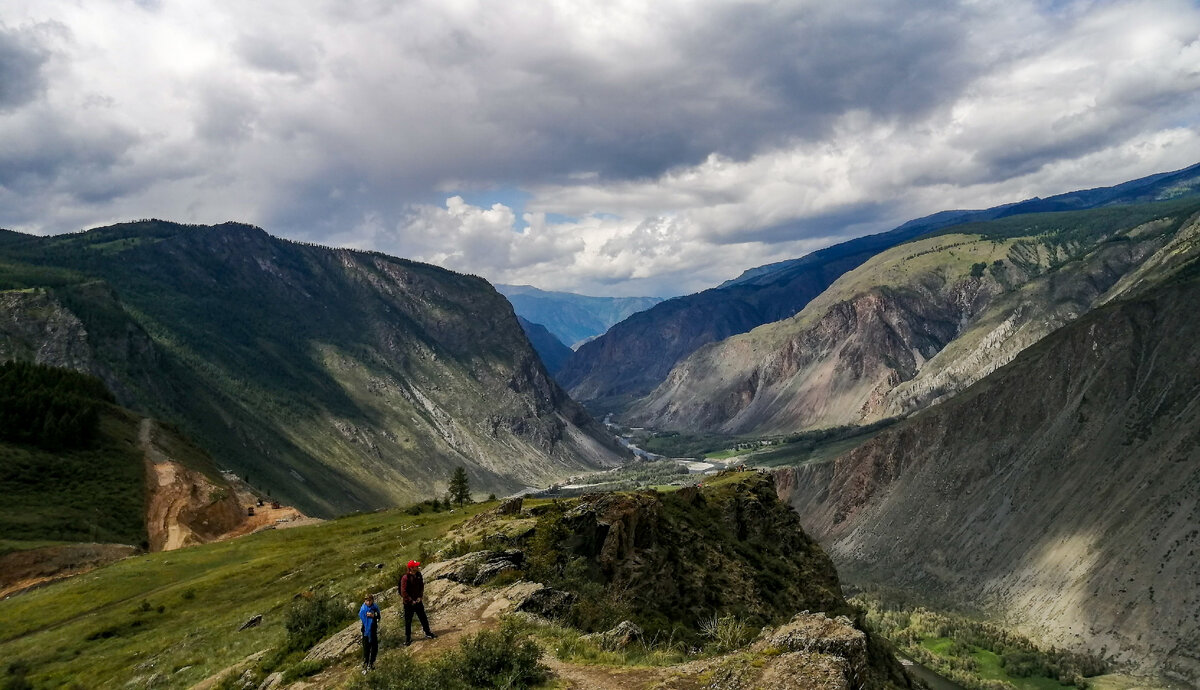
[636, 355]
[552, 351]
[920, 322]
[573, 319]
[340, 380]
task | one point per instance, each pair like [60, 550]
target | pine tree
[460, 488]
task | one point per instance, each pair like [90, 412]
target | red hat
[414, 564]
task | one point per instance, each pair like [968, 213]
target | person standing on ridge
[412, 591]
[368, 613]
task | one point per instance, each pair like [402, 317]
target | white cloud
[688, 141]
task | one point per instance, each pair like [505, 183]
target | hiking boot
[430, 636]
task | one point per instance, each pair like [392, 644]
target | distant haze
[573, 319]
[621, 148]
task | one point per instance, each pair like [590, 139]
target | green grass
[11, 545]
[91, 495]
[93, 630]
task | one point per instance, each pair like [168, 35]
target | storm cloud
[616, 148]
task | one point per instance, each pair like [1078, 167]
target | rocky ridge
[918, 323]
[637, 355]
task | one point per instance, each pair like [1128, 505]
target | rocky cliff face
[336, 379]
[916, 324]
[1062, 492]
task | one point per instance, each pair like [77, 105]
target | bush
[726, 633]
[499, 659]
[312, 619]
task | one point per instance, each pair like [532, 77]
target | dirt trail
[455, 611]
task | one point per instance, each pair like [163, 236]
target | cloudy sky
[610, 148]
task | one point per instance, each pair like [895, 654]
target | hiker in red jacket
[412, 591]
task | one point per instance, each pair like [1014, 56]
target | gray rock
[272, 682]
[548, 603]
[620, 637]
[477, 567]
[511, 506]
[253, 622]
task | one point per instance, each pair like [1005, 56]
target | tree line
[49, 407]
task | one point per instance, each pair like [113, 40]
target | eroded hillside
[1061, 493]
[920, 322]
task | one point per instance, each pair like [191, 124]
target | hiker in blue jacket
[369, 615]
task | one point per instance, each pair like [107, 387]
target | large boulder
[476, 568]
[510, 506]
[548, 603]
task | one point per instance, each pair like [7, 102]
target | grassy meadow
[177, 613]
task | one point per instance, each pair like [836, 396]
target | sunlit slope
[93, 629]
[923, 320]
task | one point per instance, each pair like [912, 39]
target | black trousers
[409, 610]
[370, 647]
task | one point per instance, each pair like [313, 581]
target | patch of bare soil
[185, 507]
[25, 570]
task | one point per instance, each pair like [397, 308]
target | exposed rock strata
[1061, 493]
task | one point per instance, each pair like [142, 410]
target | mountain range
[919, 322]
[636, 355]
[573, 319]
[1058, 494]
[337, 380]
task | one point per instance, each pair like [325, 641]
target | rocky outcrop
[685, 556]
[1061, 493]
[620, 636]
[476, 568]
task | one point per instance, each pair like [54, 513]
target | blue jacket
[369, 624]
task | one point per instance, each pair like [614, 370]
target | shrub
[312, 619]
[499, 659]
[726, 633]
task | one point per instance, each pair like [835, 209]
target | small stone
[253, 622]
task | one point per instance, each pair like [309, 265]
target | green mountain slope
[1061, 493]
[637, 355]
[336, 379]
[573, 319]
[70, 468]
[921, 321]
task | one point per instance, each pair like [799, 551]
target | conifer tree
[460, 489]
